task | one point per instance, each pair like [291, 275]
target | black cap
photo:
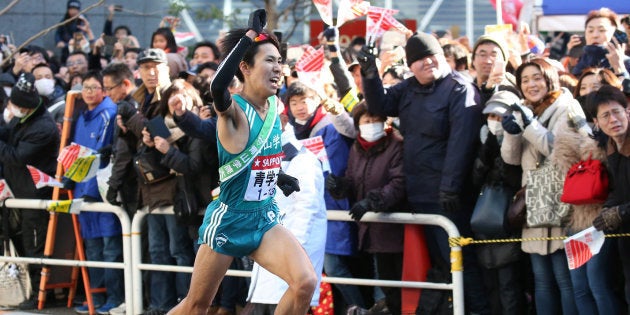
[151, 54]
[421, 45]
[74, 4]
[24, 94]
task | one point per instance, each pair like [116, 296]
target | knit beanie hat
[74, 4]
[421, 45]
[24, 94]
[491, 39]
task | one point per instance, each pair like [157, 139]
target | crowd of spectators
[424, 131]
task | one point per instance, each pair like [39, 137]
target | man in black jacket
[30, 138]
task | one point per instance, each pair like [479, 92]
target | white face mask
[7, 90]
[45, 87]
[301, 122]
[16, 112]
[495, 127]
[7, 115]
[372, 132]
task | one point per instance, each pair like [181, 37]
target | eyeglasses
[74, 63]
[617, 112]
[109, 89]
[92, 88]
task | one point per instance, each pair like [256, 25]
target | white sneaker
[118, 310]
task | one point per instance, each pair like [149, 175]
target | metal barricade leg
[136, 259]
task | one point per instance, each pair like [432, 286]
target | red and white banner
[511, 9]
[324, 7]
[350, 10]
[181, 37]
[5, 191]
[309, 68]
[42, 179]
[71, 153]
[379, 21]
[582, 246]
[316, 145]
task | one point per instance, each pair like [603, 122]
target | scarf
[540, 106]
[304, 131]
[367, 145]
[176, 133]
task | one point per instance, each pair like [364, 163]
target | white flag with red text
[379, 20]
[42, 179]
[71, 153]
[5, 191]
[582, 246]
[309, 68]
[350, 10]
[324, 7]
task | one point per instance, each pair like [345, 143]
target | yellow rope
[463, 241]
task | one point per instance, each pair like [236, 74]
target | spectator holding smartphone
[603, 49]
[66, 32]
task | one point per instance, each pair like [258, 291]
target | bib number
[263, 177]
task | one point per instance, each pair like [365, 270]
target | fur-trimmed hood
[570, 147]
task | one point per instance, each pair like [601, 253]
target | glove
[526, 114]
[375, 202]
[449, 201]
[105, 152]
[330, 34]
[112, 196]
[67, 183]
[367, 61]
[510, 125]
[337, 186]
[126, 111]
[609, 219]
[359, 209]
[288, 184]
[257, 20]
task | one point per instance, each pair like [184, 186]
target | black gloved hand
[288, 184]
[336, 186]
[67, 183]
[526, 114]
[449, 201]
[330, 34]
[375, 202]
[105, 152]
[367, 61]
[257, 20]
[510, 125]
[359, 209]
[609, 219]
[126, 111]
[112, 196]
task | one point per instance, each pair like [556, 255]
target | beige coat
[528, 149]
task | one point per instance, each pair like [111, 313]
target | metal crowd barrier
[132, 252]
[457, 286]
[89, 207]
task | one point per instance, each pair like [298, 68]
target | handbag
[542, 197]
[147, 165]
[185, 203]
[489, 216]
[15, 281]
[517, 210]
[586, 183]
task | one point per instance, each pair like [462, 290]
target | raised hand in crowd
[257, 20]
[616, 55]
[367, 61]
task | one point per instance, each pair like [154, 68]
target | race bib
[263, 177]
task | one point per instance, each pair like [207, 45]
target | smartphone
[108, 49]
[118, 7]
[621, 37]
[78, 36]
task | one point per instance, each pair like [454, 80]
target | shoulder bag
[489, 215]
[15, 281]
[542, 197]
